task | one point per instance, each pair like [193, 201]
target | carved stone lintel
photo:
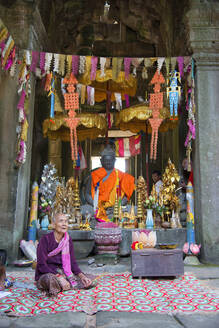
[203, 19]
[209, 60]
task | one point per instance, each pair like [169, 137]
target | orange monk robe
[107, 189]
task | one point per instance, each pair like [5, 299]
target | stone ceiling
[133, 27]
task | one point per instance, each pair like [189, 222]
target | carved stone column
[204, 38]
[55, 154]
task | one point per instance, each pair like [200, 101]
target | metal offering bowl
[168, 246]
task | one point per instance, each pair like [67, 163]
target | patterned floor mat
[118, 292]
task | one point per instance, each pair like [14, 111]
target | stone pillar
[55, 154]
[24, 24]
[204, 37]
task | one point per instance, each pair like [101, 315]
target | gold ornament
[167, 195]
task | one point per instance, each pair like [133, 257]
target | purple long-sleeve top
[46, 264]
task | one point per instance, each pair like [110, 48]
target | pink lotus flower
[195, 249]
[192, 248]
[186, 248]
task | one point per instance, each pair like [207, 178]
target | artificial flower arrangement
[45, 206]
[150, 202]
[154, 204]
[143, 239]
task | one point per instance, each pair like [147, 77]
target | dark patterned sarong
[51, 284]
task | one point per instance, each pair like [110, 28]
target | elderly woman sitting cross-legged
[56, 264]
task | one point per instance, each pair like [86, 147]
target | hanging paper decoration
[108, 62]
[156, 103]
[147, 63]
[52, 95]
[7, 49]
[72, 104]
[90, 96]
[42, 62]
[167, 62]
[127, 64]
[82, 63]
[174, 92]
[62, 65]
[3, 33]
[83, 93]
[48, 60]
[118, 97]
[88, 64]
[20, 106]
[116, 67]
[75, 63]
[10, 59]
[102, 66]
[35, 56]
[136, 62]
[56, 63]
[13, 66]
[93, 68]
[127, 100]
[180, 61]
[28, 57]
[69, 64]
[173, 63]
[160, 62]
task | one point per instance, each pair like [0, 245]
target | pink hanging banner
[127, 103]
[93, 68]
[35, 55]
[75, 64]
[180, 61]
[127, 63]
[42, 62]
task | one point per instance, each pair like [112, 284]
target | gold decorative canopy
[90, 126]
[105, 83]
[135, 117]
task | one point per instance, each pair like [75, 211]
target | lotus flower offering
[143, 239]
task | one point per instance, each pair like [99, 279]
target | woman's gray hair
[55, 214]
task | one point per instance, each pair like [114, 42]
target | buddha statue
[104, 183]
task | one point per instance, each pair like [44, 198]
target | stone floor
[209, 275]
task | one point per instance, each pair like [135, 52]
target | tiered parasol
[91, 125]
